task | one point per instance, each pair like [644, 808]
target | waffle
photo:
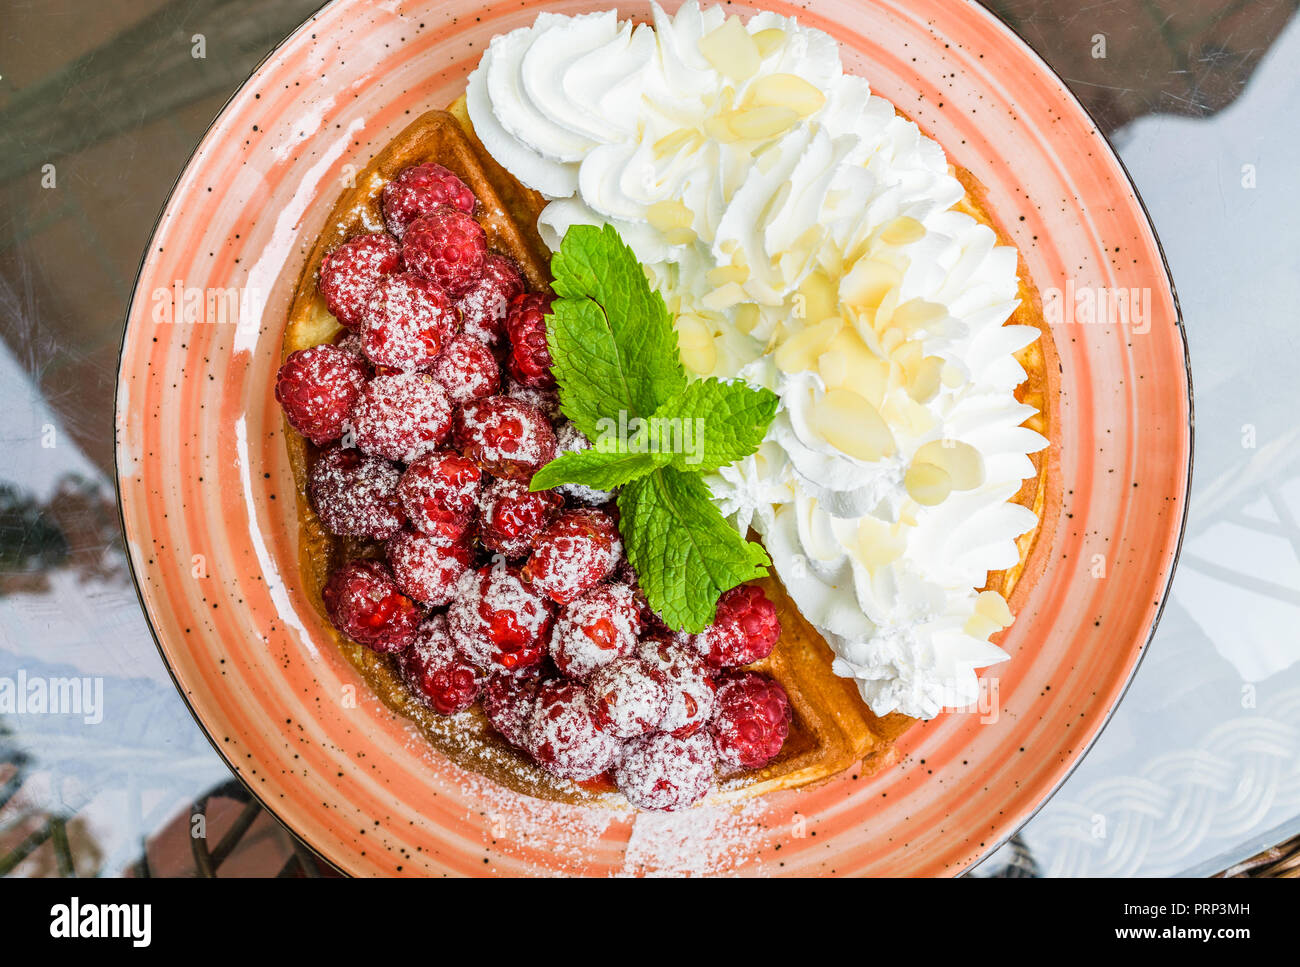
[832, 729]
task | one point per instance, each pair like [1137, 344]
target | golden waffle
[832, 730]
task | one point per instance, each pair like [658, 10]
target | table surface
[101, 105]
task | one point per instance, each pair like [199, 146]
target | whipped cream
[805, 236]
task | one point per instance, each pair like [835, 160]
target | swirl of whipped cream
[808, 240]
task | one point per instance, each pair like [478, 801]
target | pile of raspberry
[429, 415]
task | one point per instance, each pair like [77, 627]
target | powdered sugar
[592, 631]
[401, 417]
[407, 322]
[428, 567]
[466, 369]
[569, 439]
[355, 495]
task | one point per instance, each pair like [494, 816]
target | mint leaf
[604, 471]
[684, 551]
[714, 423]
[613, 346]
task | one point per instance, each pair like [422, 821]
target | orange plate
[208, 506]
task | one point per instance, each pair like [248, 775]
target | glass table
[100, 106]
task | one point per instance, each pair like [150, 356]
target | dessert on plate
[669, 417]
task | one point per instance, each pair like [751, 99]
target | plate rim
[1015, 825]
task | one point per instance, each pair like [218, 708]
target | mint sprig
[615, 358]
[613, 346]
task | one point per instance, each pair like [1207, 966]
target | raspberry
[569, 439]
[350, 340]
[364, 603]
[751, 719]
[512, 516]
[355, 495]
[484, 305]
[530, 356]
[498, 621]
[317, 387]
[401, 417]
[418, 190]
[508, 703]
[665, 772]
[407, 322]
[629, 697]
[505, 437]
[592, 631]
[744, 629]
[440, 492]
[690, 689]
[436, 673]
[546, 400]
[428, 567]
[350, 272]
[563, 736]
[466, 369]
[448, 247]
[576, 552]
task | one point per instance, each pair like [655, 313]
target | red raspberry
[364, 603]
[428, 567]
[512, 516]
[574, 553]
[508, 703]
[546, 400]
[448, 247]
[401, 417]
[660, 771]
[744, 629]
[530, 356]
[467, 370]
[440, 492]
[317, 387]
[751, 719]
[629, 697]
[563, 736]
[592, 631]
[418, 190]
[505, 437]
[407, 322]
[499, 622]
[690, 689]
[350, 272]
[484, 305]
[436, 673]
[355, 495]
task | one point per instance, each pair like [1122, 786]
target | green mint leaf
[604, 471]
[684, 551]
[710, 424]
[613, 346]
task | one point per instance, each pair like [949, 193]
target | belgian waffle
[832, 729]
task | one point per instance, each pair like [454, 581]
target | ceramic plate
[208, 502]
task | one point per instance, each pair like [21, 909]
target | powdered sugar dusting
[707, 840]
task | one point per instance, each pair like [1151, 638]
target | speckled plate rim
[1014, 825]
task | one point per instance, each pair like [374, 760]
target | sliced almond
[961, 461]
[666, 215]
[696, 344]
[761, 123]
[924, 381]
[927, 484]
[852, 425]
[869, 281]
[788, 91]
[768, 41]
[801, 351]
[993, 606]
[731, 50]
[879, 543]
[903, 230]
